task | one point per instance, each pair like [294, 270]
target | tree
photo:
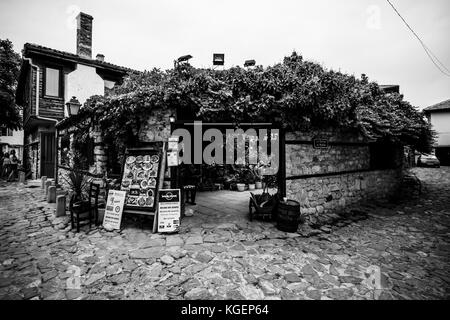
[9, 73]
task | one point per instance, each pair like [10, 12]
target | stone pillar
[60, 206]
[43, 181]
[48, 183]
[51, 194]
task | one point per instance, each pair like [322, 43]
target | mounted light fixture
[172, 118]
[73, 106]
[218, 59]
[249, 63]
[182, 59]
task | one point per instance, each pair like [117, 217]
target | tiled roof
[31, 47]
[444, 105]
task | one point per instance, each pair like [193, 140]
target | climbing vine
[295, 93]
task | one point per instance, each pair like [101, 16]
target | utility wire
[429, 53]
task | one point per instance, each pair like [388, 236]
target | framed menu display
[140, 178]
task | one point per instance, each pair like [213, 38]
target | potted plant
[240, 186]
[78, 186]
[251, 183]
[257, 177]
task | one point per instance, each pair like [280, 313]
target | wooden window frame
[60, 95]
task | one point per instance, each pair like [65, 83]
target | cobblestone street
[392, 252]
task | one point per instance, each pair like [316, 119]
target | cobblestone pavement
[390, 252]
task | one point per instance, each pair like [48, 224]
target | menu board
[140, 179]
[114, 209]
[169, 210]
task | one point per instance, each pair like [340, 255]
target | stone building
[345, 169]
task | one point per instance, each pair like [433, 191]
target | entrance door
[48, 153]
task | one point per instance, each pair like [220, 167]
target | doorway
[48, 153]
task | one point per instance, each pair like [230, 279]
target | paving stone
[197, 294]
[73, 294]
[194, 240]
[292, 277]
[388, 256]
[167, 259]
[147, 253]
[94, 278]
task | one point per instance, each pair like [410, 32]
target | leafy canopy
[9, 73]
[296, 94]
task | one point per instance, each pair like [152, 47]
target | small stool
[190, 190]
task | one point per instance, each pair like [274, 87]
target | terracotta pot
[240, 186]
[251, 186]
[258, 184]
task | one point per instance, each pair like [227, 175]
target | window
[52, 82]
[6, 132]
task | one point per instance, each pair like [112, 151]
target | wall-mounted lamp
[172, 118]
[73, 106]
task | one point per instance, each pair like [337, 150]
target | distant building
[439, 116]
[48, 80]
[12, 140]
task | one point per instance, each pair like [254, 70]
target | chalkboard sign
[141, 177]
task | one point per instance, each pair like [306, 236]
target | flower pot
[240, 186]
[258, 184]
[251, 186]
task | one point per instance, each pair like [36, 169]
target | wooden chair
[86, 209]
[92, 203]
[79, 212]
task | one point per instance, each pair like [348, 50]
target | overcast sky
[355, 36]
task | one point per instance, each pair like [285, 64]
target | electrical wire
[429, 53]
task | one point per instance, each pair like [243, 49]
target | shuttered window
[52, 78]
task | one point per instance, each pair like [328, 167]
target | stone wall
[157, 126]
[343, 175]
[334, 193]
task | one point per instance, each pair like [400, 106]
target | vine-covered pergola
[295, 94]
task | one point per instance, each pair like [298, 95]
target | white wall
[15, 139]
[15, 142]
[83, 83]
[441, 124]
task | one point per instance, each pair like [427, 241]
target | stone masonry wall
[336, 190]
[335, 193]
[157, 126]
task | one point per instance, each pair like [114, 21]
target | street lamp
[73, 106]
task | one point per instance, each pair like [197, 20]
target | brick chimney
[84, 35]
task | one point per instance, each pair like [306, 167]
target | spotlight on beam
[249, 63]
[218, 59]
[184, 58]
